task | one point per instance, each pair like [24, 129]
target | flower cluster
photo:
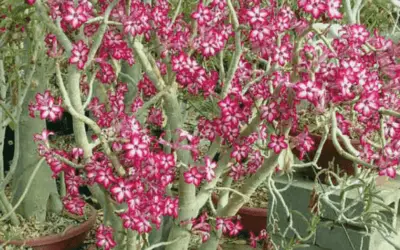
[195, 175]
[263, 235]
[202, 227]
[282, 69]
[319, 7]
[104, 237]
[150, 170]
[193, 76]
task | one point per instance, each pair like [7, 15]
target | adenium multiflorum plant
[265, 68]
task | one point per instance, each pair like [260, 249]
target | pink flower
[333, 9]
[155, 116]
[314, 7]
[171, 207]
[277, 143]
[359, 33]
[74, 205]
[368, 104]
[235, 229]
[193, 176]
[44, 136]
[304, 143]
[75, 16]
[269, 112]
[202, 14]
[208, 169]
[282, 55]
[79, 54]
[240, 152]
[257, 15]
[237, 171]
[48, 107]
[389, 171]
[122, 190]
[308, 90]
[253, 240]
[224, 225]
[136, 148]
[105, 177]
[77, 153]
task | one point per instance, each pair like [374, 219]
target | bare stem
[68, 162]
[238, 51]
[164, 243]
[28, 185]
[153, 75]
[89, 97]
[390, 112]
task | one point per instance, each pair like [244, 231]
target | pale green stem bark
[238, 51]
[23, 195]
[131, 240]
[187, 192]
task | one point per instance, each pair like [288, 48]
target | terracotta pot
[70, 239]
[253, 219]
[328, 153]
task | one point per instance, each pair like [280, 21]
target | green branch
[238, 52]
[153, 74]
[100, 34]
[89, 97]
[92, 124]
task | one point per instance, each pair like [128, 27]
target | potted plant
[251, 62]
[29, 193]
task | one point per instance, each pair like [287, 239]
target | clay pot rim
[253, 211]
[55, 238]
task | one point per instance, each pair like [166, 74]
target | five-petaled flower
[79, 54]
[193, 176]
[75, 16]
[277, 143]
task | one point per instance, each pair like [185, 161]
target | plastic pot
[71, 239]
[253, 219]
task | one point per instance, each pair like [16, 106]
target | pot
[328, 153]
[253, 219]
[72, 238]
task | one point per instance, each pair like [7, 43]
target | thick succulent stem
[37, 201]
[187, 192]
